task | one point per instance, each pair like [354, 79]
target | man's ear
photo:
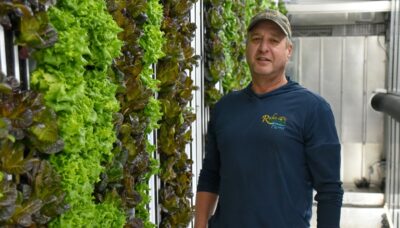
[290, 49]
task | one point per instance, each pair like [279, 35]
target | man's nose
[263, 47]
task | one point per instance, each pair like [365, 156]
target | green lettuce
[152, 42]
[73, 75]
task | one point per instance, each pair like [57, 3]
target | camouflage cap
[273, 15]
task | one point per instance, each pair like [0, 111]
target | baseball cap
[273, 15]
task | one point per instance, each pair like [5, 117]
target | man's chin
[262, 73]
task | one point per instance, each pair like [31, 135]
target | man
[269, 145]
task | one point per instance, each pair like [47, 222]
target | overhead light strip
[347, 7]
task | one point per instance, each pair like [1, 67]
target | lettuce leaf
[29, 185]
[73, 75]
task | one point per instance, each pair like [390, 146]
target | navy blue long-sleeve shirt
[264, 156]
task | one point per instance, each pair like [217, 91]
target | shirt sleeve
[322, 148]
[209, 175]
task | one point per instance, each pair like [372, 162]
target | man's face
[267, 50]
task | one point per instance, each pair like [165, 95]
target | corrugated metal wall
[346, 71]
[392, 132]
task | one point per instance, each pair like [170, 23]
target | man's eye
[256, 38]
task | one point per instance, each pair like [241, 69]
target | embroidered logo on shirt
[275, 121]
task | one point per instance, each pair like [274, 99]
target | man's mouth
[263, 59]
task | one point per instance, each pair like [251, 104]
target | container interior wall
[392, 127]
[346, 71]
